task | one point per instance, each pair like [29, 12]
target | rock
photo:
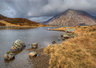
[48, 28]
[65, 36]
[32, 54]
[9, 56]
[68, 35]
[18, 43]
[59, 39]
[34, 45]
[54, 42]
[69, 30]
[71, 35]
[17, 46]
[61, 35]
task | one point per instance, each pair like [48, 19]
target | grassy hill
[18, 22]
[78, 52]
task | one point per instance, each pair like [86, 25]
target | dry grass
[78, 52]
[18, 22]
[10, 25]
[59, 29]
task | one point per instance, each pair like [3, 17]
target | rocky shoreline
[37, 56]
[42, 60]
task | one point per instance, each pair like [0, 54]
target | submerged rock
[54, 42]
[34, 45]
[32, 54]
[9, 56]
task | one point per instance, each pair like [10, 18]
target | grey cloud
[31, 8]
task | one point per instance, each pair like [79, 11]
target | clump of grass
[78, 52]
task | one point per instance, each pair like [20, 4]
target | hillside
[77, 52]
[73, 18]
[5, 21]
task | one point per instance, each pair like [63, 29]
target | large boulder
[18, 45]
[32, 54]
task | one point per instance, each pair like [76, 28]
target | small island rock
[34, 45]
[32, 54]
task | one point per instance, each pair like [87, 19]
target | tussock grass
[78, 52]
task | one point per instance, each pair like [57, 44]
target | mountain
[73, 18]
[5, 21]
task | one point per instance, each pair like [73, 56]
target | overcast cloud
[34, 8]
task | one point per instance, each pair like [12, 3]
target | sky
[42, 10]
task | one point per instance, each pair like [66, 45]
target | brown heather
[78, 52]
[17, 22]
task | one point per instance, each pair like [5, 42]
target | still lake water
[40, 35]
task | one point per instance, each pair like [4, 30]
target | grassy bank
[78, 52]
[25, 25]
[18, 27]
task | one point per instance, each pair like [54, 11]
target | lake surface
[40, 35]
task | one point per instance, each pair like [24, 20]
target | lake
[40, 35]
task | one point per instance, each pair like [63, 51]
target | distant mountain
[5, 21]
[40, 19]
[73, 18]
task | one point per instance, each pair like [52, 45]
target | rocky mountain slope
[73, 18]
[5, 21]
